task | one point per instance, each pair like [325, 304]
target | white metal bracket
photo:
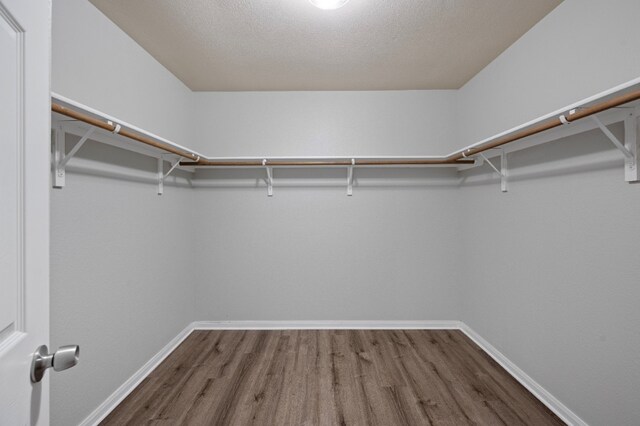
[632, 144]
[173, 167]
[269, 178]
[60, 160]
[504, 172]
[627, 154]
[563, 118]
[117, 127]
[59, 137]
[160, 175]
[350, 178]
[503, 169]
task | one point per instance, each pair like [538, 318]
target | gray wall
[553, 274]
[118, 250]
[412, 122]
[118, 257]
[386, 253]
[552, 265]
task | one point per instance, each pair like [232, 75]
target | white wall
[316, 254]
[581, 48]
[119, 251]
[552, 265]
[553, 275]
[413, 122]
[385, 253]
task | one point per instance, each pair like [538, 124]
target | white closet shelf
[618, 104]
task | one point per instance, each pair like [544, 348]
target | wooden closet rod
[579, 113]
[346, 162]
[123, 132]
[458, 157]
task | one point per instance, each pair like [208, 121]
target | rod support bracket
[350, 177]
[60, 158]
[563, 117]
[59, 149]
[632, 145]
[502, 172]
[116, 127]
[160, 175]
[269, 178]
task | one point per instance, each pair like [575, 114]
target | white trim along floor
[538, 391]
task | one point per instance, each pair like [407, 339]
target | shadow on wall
[434, 177]
[589, 151]
[99, 159]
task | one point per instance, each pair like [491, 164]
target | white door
[25, 34]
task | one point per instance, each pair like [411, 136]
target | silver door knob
[65, 357]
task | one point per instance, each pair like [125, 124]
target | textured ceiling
[291, 45]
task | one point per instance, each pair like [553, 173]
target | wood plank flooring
[330, 377]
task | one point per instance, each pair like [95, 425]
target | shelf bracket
[632, 144]
[60, 159]
[269, 178]
[503, 169]
[76, 148]
[625, 151]
[350, 178]
[160, 175]
[173, 167]
[59, 137]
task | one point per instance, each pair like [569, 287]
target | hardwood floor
[330, 377]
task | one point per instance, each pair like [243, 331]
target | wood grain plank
[330, 377]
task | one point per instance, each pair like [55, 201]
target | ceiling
[228, 45]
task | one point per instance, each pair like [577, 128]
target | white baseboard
[127, 387]
[538, 391]
[325, 325]
[525, 380]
